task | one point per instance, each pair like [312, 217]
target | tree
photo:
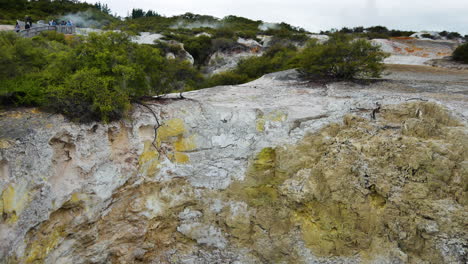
[137, 13]
[453, 35]
[151, 13]
[342, 58]
[104, 8]
[377, 29]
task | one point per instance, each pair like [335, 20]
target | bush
[22, 61]
[429, 36]
[199, 48]
[276, 58]
[79, 97]
[342, 58]
[461, 53]
[94, 78]
[226, 78]
[54, 36]
[223, 44]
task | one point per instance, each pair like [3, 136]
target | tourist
[54, 23]
[69, 23]
[27, 26]
[29, 20]
[17, 27]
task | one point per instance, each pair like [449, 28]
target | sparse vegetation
[450, 35]
[371, 32]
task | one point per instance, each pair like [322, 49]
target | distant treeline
[383, 32]
[150, 21]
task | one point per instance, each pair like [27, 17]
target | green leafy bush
[54, 36]
[223, 44]
[92, 78]
[342, 58]
[226, 78]
[79, 97]
[461, 53]
[276, 58]
[22, 61]
[199, 47]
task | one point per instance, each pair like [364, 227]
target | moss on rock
[350, 187]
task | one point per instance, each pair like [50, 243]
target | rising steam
[86, 19]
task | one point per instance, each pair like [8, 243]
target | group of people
[63, 23]
[28, 24]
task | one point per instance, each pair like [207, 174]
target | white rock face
[413, 51]
[319, 38]
[147, 38]
[203, 34]
[222, 61]
[419, 35]
[64, 179]
[248, 42]
[265, 40]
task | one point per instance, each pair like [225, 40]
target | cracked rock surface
[278, 170]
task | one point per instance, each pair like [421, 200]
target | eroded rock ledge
[274, 171]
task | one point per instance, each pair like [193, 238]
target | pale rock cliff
[274, 171]
[411, 51]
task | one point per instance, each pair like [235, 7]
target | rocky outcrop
[227, 58]
[411, 51]
[274, 171]
[448, 63]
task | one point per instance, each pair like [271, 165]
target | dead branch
[156, 127]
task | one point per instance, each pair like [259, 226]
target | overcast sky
[316, 15]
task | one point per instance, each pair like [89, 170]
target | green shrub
[225, 78]
[342, 58]
[93, 78]
[180, 76]
[276, 58]
[22, 61]
[79, 97]
[225, 33]
[426, 35]
[199, 47]
[461, 53]
[223, 44]
[54, 36]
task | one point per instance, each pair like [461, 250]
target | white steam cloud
[266, 26]
[86, 19]
[198, 24]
